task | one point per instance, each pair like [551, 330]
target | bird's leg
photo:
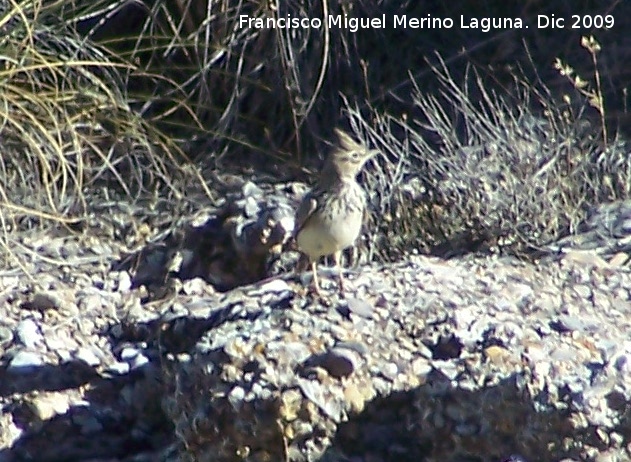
[316, 285]
[337, 256]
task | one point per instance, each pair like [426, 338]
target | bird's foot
[316, 293]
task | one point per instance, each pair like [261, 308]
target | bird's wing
[306, 208]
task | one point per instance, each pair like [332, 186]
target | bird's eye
[355, 156]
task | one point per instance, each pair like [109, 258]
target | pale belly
[318, 239]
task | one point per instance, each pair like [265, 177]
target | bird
[330, 216]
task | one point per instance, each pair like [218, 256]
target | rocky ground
[470, 359]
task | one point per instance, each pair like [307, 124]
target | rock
[24, 360]
[28, 333]
[423, 359]
[416, 359]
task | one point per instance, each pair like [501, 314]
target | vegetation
[489, 140]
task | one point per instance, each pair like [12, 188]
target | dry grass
[67, 125]
[482, 172]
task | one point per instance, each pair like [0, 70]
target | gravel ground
[470, 359]
[475, 359]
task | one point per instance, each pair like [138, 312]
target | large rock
[423, 360]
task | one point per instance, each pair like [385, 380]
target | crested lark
[330, 216]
